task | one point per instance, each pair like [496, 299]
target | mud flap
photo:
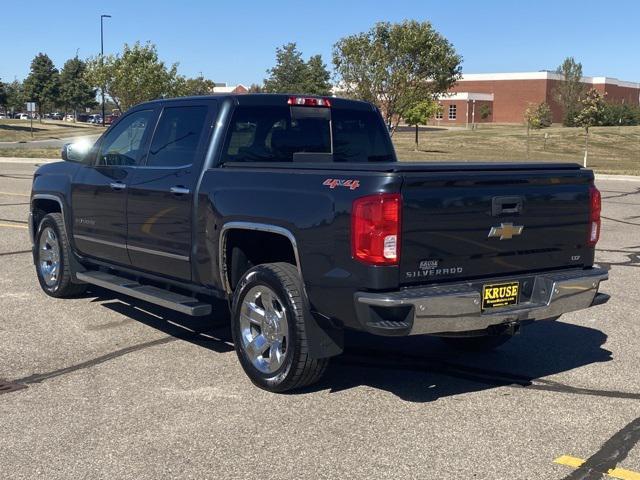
[323, 337]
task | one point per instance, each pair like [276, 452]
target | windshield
[287, 134]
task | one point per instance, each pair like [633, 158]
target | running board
[148, 293]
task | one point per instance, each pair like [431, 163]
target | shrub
[621, 114]
[485, 111]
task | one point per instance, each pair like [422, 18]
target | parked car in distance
[23, 116]
[295, 212]
[95, 118]
[69, 117]
[57, 116]
[110, 119]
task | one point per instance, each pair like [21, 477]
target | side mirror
[74, 152]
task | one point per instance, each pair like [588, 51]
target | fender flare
[44, 196]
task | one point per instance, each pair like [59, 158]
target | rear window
[287, 134]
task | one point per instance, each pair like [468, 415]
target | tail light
[309, 102]
[595, 207]
[375, 229]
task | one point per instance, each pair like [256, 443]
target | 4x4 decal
[335, 182]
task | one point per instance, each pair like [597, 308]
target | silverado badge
[506, 231]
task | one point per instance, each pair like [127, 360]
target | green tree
[75, 91]
[621, 114]
[536, 117]
[396, 65]
[3, 95]
[420, 114]
[289, 75]
[255, 88]
[569, 90]
[15, 96]
[318, 78]
[137, 75]
[184, 87]
[592, 113]
[42, 85]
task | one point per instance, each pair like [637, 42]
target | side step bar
[148, 293]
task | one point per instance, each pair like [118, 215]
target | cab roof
[267, 99]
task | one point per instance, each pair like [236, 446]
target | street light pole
[102, 17]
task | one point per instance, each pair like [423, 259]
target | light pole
[102, 17]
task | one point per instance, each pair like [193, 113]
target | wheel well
[247, 248]
[41, 207]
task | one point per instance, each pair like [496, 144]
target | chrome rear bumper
[455, 308]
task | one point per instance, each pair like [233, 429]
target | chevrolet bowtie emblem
[506, 231]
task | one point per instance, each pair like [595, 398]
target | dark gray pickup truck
[295, 210]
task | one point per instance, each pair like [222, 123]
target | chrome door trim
[262, 227]
[132, 247]
[160, 253]
[88, 238]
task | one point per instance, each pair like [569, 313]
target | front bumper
[456, 308]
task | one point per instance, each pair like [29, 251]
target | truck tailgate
[466, 224]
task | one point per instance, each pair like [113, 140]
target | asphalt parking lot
[112, 388]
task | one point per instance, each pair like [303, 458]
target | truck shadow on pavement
[201, 331]
[423, 369]
[416, 369]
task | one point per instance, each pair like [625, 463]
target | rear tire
[477, 344]
[52, 254]
[269, 332]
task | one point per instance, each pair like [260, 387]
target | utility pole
[102, 17]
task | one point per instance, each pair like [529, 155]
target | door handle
[178, 190]
[118, 185]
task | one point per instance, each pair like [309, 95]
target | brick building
[224, 88]
[505, 96]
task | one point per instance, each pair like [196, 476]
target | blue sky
[235, 41]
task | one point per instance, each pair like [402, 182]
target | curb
[624, 178]
[27, 161]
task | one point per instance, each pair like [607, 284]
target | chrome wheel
[49, 257]
[264, 329]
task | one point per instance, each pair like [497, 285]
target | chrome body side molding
[87, 238]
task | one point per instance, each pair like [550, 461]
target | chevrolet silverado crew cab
[295, 210]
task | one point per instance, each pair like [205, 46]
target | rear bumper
[456, 308]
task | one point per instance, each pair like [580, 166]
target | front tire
[269, 330]
[52, 256]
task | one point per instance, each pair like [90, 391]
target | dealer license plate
[496, 295]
